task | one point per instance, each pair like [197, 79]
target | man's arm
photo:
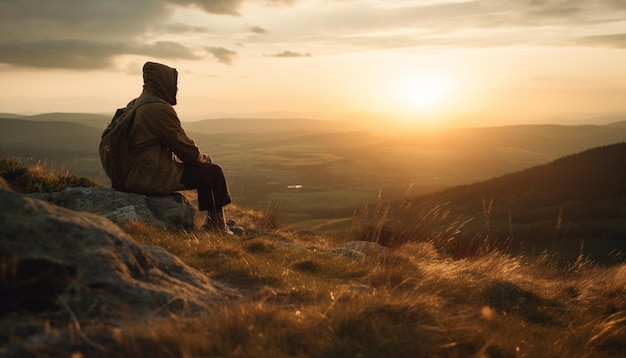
[174, 137]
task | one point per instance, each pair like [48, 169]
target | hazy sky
[426, 62]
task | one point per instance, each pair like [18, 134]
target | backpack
[116, 153]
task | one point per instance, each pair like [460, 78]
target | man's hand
[205, 158]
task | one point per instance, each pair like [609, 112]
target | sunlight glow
[425, 94]
[426, 99]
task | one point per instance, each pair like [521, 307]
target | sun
[424, 93]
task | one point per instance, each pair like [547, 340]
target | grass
[417, 298]
[39, 178]
[428, 294]
[409, 301]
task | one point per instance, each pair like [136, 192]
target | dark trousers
[208, 179]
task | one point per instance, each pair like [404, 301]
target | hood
[161, 81]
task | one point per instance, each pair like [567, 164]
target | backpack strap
[137, 104]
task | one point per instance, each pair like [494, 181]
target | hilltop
[308, 295]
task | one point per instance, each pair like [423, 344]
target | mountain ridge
[593, 174]
[265, 125]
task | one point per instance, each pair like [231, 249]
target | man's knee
[211, 169]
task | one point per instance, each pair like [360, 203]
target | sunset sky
[431, 62]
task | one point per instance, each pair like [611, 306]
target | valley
[316, 179]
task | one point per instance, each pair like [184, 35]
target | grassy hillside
[307, 295]
[39, 178]
[594, 174]
[576, 201]
[87, 119]
[19, 133]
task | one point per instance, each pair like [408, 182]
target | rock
[292, 245]
[56, 257]
[364, 247]
[359, 249]
[508, 297]
[231, 222]
[234, 228]
[237, 230]
[352, 254]
[171, 210]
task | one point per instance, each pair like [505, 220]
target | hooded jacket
[157, 134]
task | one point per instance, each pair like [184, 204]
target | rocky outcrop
[171, 210]
[52, 256]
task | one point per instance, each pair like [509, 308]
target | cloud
[568, 11]
[613, 40]
[59, 54]
[228, 7]
[222, 54]
[447, 24]
[165, 49]
[90, 34]
[94, 34]
[290, 54]
[178, 28]
[258, 30]
[83, 55]
[64, 19]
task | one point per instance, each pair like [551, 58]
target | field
[319, 177]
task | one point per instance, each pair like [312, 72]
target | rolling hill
[593, 175]
[267, 125]
[86, 119]
[28, 134]
[206, 126]
[577, 201]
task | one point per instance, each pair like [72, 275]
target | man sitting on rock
[169, 160]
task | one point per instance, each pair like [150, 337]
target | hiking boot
[217, 223]
[236, 229]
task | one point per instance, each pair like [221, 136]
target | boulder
[53, 257]
[171, 210]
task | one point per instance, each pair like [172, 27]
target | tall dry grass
[414, 299]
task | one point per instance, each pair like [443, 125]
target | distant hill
[19, 133]
[86, 119]
[207, 126]
[593, 175]
[577, 201]
[267, 125]
[555, 140]
[599, 119]
[11, 115]
[621, 124]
